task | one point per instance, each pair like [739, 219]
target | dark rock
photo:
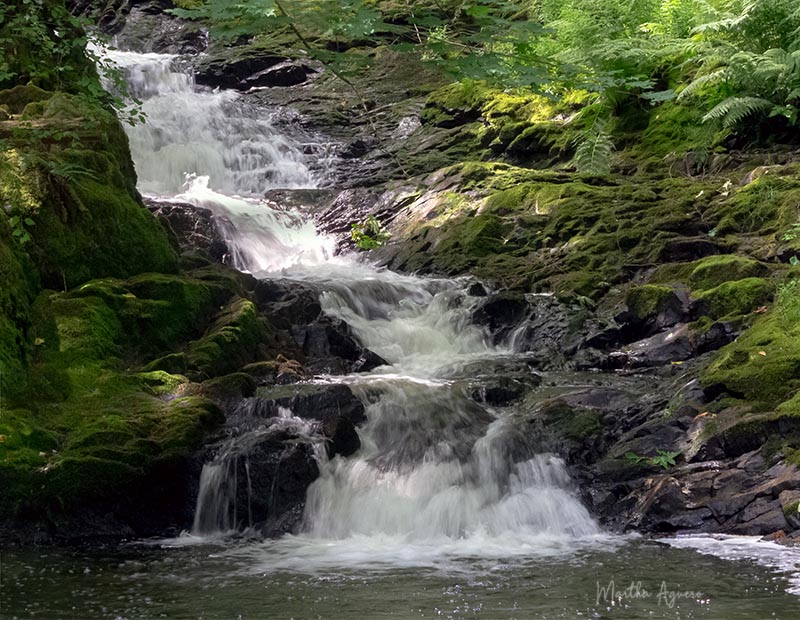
[503, 391]
[287, 303]
[193, 228]
[669, 346]
[762, 516]
[477, 289]
[684, 250]
[287, 73]
[717, 336]
[218, 72]
[501, 313]
[330, 348]
[342, 436]
[357, 148]
[307, 401]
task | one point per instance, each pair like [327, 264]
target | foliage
[663, 458]
[369, 234]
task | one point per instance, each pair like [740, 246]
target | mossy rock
[712, 271]
[736, 298]
[455, 104]
[16, 98]
[649, 300]
[237, 337]
[763, 364]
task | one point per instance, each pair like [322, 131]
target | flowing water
[447, 510]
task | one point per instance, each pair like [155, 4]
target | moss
[736, 298]
[763, 364]
[675, 129]
[648, 300]
[583, 425]
[75, 167]
[91, 428]
[160, 383]
[19, 96]
[234, 340]
[454, 104]
[765, 206]
[712, 271]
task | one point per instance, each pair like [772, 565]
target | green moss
[648, 300]
[712, 271]
[234, 340]
[763, 364]
[19, 96]
[675, 129]
[736, 298]
[583, 425]
[160, 383]
[454, 104]
[766, 206]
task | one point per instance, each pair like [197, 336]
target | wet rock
[669, 346]
[330, 348]
[790, 504]
[193, 228]
[307, 401]
[762, 516]
[342, 436]
[287, 73]
[684, 250]
[287, 303]
[146, 28]
[275, 476]
[501, 313]
[502, 391]
[652, 308]
[221, 72]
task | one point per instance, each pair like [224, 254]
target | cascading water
[437, 470]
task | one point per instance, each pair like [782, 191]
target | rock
[308, 401]
[287, 73]
[762, 516]
[685, 249]
[502, 391]
[790, 504]
[288, 303]
[342, 436]
[219, 72]
[669, 346]
[193, 228]
[652, 308]
[501, 313]
[331, 349]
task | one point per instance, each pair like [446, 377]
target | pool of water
[250, 580]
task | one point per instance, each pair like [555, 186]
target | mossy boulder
[238, 336]
[763, 364]
[648, 301]
[736, 298]
[712, 271]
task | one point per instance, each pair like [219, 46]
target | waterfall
[214, 134]
[435, 467]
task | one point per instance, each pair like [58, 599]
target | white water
[213, 134]
[438, 475]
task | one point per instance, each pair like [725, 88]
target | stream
[447, 510]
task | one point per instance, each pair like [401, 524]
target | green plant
[369, 234]
[663, 458]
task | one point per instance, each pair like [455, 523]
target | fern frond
[715, 77]
[593, 151]
[734, 109]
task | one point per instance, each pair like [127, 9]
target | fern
[593, 150]
[733, 110]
